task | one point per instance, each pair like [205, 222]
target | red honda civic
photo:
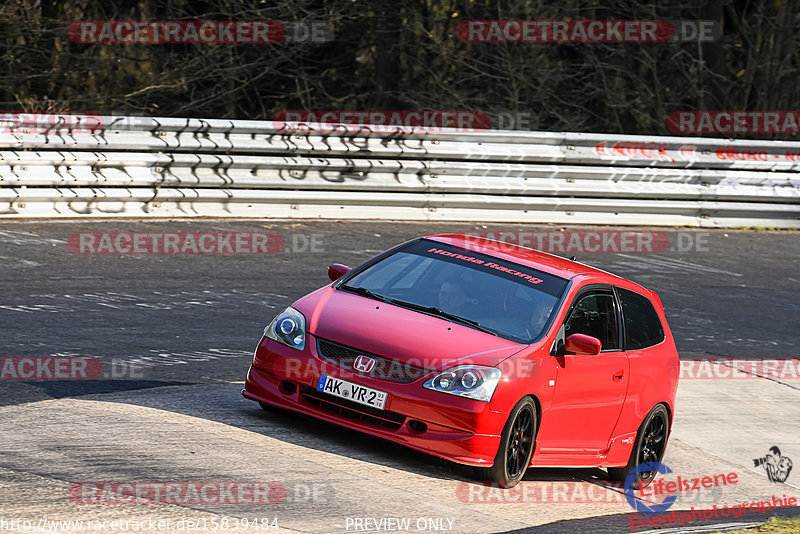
[481, 352]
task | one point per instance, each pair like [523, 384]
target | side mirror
[337, 270]
[584, 345]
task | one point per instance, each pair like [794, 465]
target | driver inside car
[452, 298]
[540, 312]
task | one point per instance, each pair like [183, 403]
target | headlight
[472, 381]
[289, 328]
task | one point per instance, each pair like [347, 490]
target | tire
[651, 442]
[516, 446]
[266, 407]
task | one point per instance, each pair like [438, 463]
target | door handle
[618, 375]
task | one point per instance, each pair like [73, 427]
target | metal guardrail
[134, 166]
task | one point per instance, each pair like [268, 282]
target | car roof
[543, 261]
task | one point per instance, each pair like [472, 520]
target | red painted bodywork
[590, 406]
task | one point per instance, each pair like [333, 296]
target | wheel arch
[669, 412]
[666, 406]
[538, 404]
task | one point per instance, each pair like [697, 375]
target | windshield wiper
[364, 292]
[443, 314]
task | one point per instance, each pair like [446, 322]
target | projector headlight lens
[289, 328]
[476, 382]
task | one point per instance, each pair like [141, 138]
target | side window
[595, 315]
[642, 326]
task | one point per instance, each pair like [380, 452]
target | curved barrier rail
[135, 166]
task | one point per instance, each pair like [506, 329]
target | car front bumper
[457, 429]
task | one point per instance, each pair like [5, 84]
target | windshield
[500, 297]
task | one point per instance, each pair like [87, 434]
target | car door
[589, 390]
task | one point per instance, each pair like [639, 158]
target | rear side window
[642, 326]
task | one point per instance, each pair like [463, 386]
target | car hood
[399, 333]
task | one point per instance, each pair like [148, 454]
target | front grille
[384, 369]
[353, 410]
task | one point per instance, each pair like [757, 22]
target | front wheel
[516, 446]
[651, 442]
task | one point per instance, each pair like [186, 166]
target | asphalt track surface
[177, 332]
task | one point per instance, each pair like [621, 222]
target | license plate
[353, 392]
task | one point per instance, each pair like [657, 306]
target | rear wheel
[651, 442]
[516, 446]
